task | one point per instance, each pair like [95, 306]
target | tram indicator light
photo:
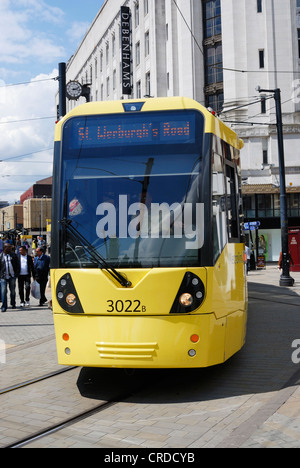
[195, 338]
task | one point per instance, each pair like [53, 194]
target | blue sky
[35, 35]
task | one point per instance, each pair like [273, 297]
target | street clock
[74, 90]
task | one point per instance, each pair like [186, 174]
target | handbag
[35, 290]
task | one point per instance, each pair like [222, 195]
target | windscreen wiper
[90, 249]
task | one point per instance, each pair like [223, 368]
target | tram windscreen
[130, 186]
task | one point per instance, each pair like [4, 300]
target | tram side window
[220, 236]
[231, 190]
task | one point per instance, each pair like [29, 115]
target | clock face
[74, 90]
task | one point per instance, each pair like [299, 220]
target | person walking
[9, 272]
[41, 272]
[33, 247]
[26, 272]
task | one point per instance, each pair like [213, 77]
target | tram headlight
[71, 300]
[190, 296]
[67, 296]
[186, 299]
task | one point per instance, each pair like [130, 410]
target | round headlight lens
[71, 300]
[186, 299]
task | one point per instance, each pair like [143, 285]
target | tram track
[64, 424]
[35, 380]
[20, 443]
[81, 407]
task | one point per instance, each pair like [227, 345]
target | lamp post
[285, 278]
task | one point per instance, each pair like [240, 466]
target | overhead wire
[28, 120]
[9, 85]
[24, 155]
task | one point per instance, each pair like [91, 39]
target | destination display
[94, 133]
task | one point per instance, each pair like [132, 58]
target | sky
[35, 35]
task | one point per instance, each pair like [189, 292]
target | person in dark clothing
[26, 272]
[9, 272]
[41, 272]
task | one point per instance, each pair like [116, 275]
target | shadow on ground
[264, 364]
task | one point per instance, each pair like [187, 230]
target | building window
[137, 14]
[138, 54]
[261, 58]
[107, 86]
[107, 53]
[215, 101]
[96, 68]
[259, 6]
[148, 84]
[263, 206]
[214, 95]
[101, 61]
[146, 7]
[138, 90]
[114, 45]
[293, 202]
[214, 64]
[263, 109]
[265, 157]
[147, 44]
[265, 151]
[212, 18]
[114, 80]
[299, 43]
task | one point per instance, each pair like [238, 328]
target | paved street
[253, 400]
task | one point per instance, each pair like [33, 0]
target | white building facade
[216, 52]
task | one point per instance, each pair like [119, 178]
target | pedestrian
[41, 272]
[18, 243]
[248, 257]
[33, 247]
[26, 272]
[40, 242]
[9, 271]
[289, 259]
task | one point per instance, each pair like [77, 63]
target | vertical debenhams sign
[126, 49]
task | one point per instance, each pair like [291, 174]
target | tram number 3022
[125, 306]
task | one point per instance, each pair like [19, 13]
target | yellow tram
[147, 259]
